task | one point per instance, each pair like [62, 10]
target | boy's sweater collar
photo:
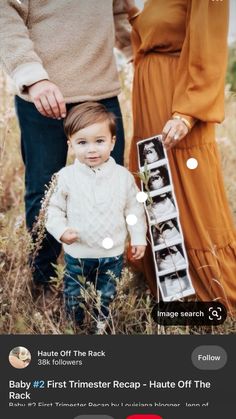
[103, 170]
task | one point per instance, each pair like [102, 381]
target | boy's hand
[70, 236]
[48, 99]
[138, 251]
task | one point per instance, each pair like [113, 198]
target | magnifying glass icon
[214, 313]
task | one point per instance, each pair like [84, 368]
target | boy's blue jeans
[103, 273]
[44, 152]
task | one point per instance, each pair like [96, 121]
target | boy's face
[93, 145]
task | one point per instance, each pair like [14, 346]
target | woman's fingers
[166, 130]
[173, 132]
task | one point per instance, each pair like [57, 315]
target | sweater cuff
[133, 13]
[27, 74]
[58, 232]
[138, 238]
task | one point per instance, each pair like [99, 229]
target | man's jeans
[103, 273]
[44, 152]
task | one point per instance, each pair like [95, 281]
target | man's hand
[48, 99]
[70, 236]
[138, 251]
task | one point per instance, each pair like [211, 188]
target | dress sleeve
[133, 13]
[199, 91]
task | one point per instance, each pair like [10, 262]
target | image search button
[189, 313]
[209, 357]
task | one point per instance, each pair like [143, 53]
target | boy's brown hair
[88, 113]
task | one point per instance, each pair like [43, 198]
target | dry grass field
[131, 309]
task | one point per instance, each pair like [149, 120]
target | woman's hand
[173, 132]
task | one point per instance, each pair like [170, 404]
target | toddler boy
[92, 208]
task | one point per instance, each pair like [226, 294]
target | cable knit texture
[96, 202]
[69, 42]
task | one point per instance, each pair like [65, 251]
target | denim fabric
[44, 152]
[102, 272]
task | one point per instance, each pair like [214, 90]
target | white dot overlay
[192, 163]
[141, 196]
[131, 219]
[107, 243]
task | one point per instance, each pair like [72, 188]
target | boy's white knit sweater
[96, 203]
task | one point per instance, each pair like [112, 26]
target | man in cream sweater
[92, 208]
[59, 53]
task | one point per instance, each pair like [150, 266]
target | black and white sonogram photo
[158, 178]
[166, 232]
[150, 151]
[162, 206]
[171, 258]
[175, 283]
[167, 242]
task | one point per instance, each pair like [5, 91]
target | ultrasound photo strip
[168, 249]
[165, 234]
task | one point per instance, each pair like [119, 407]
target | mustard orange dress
[180, 49]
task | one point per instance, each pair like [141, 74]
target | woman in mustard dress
[180, 56]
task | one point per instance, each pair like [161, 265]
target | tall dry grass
[131, 309]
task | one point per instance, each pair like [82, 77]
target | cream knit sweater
[96, 202]
[69, 42]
